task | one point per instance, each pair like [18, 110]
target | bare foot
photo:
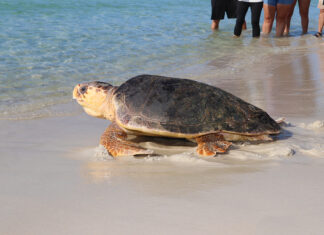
[214, 25]
[244, 26]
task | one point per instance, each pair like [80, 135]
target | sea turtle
[153, 105]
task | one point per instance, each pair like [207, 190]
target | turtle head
[94, 97]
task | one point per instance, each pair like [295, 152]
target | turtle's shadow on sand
[163, 145]
[164, 141]
[284, 134]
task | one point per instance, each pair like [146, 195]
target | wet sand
[55, 179]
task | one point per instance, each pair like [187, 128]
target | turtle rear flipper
[114, 140]
[211, 144]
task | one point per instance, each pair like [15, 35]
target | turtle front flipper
[114, 139]
[211, 144]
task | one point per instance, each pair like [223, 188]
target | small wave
[316, 151]
[250, 152]
[317, 125]
[186, 158]
[268, 151]
[308, 138]
[300, 141]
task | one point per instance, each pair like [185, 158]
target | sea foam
[303, 138]
[316, 125]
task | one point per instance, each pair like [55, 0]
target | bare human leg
[281, 18]
[269, 15]
[291, 12]
[214, 24]
[244, 26]
[320, 23]
[303, 11]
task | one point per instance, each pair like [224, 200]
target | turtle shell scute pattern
[187, 106]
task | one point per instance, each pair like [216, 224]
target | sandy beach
[55, 179]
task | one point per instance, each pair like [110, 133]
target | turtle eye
[83, 89]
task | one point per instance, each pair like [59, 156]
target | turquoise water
[49, 46]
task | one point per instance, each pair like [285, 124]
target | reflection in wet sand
[168, 175]
[320, 76]
[284, 81]
[291, 88]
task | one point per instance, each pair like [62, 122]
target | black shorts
[219, 7]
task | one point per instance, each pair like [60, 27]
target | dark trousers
[242, 7]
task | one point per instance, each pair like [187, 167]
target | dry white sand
[54, 179]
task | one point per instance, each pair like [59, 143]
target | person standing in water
[303, 12]
[219, 8]
[241, 10]
[279, 9]
[320, 19]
